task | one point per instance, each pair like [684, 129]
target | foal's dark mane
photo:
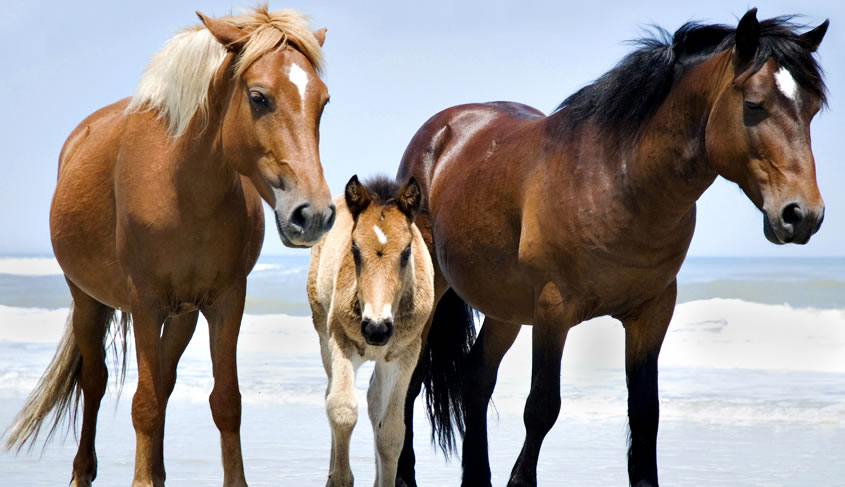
[383, 189]
[627, 96]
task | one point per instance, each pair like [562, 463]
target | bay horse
[157, 213]
[371, 290]
[553, 220]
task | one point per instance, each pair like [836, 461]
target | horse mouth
[288, 240]
[780, 238]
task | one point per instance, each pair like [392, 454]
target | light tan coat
[342, 297]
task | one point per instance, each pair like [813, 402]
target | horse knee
[342, 411]
[147, 412]
[225, 405]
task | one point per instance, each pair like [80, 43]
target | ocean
[752, 387]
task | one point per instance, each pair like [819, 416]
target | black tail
[450, 338]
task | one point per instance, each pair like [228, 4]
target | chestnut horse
[157, 212]
[371, 290]
[551, 221]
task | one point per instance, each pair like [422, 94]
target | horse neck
[201, 170]
[668, 169]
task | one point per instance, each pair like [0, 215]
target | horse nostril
[328, 217]
[792, 214]
[302, 215]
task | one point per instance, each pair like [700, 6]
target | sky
[390, 66]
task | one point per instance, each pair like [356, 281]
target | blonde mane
[176, 82]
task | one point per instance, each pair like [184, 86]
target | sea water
[752, 387]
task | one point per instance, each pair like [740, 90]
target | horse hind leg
[551, 326]
[89, 320]
[644, 333]
[177, 333]
[494, 340]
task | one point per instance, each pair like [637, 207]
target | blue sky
[390, 67]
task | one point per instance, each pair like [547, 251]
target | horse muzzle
[794, 223]
[305, 225]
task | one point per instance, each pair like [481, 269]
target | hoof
[340, 482]
[400, 482]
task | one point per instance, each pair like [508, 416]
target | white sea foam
[265, 267]
[30, 266]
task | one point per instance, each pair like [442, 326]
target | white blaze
[786, 83]
[299, 77]
[382, 238]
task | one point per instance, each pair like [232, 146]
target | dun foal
[371, 289]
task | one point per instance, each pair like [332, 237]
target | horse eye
[406, 254]
[753, 107]
[257, 98]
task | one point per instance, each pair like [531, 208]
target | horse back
[447, 132]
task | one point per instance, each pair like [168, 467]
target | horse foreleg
[494, 340]
[149, 400]
[89, 319]
[388, 419]
[342, 409]
[381, 384]
[224, 323]
[326, 357]
[644, 333]
[175, 337]
[551, 325]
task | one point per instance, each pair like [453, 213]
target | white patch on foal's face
[299, 77]
[382, 238]
[786, 83]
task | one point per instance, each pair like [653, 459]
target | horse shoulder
[331, 274]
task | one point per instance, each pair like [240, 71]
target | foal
[371, 289]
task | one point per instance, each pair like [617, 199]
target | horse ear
[747, 36]
[410, 198]
[357, 198]
[814, 37]
[232, 38]
[320, 35]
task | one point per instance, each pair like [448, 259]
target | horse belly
[82, 214]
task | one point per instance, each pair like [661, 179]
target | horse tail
[450, 338]
[59, 392]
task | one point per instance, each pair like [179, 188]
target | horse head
[270, 129]
[381, 248]
[758, 133]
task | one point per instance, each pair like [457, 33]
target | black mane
[382, 189]
[626, 97]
